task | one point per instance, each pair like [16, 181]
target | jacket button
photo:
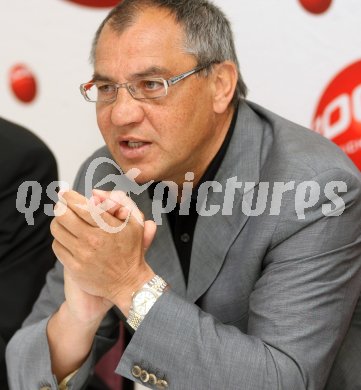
[144, 376]
[136, 371]
[152, 379]
[162, 384]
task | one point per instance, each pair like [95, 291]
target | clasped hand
[101, 269]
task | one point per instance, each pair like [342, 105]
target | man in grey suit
[252, 278]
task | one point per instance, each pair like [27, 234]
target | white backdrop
[288, 56]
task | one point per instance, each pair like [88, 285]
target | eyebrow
[152, 71]
[99, 77]
[149, 72]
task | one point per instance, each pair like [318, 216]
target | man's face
[165, 137]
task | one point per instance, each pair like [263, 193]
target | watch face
[143, 300]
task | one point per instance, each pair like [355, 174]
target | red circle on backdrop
[338, 114]
[23, 83]
[96, 3]
[316, 6]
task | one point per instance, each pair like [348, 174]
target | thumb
[150, 228]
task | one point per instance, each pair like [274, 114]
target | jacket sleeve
[27, 355]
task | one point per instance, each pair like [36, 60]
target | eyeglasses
[147, 88]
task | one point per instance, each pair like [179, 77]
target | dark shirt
[183, 226]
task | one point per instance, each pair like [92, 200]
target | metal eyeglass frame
[167, 83]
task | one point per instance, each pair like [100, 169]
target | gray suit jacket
[270, 298]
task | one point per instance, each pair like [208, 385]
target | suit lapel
[214, 235]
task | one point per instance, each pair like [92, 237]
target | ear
[225, 82]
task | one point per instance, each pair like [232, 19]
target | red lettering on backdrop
[316, 6]
[23, 83]
[96, 3]
[338, 114]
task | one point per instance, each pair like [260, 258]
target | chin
[143, 178]
[146, 172]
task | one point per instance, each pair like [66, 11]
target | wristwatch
[144, 299]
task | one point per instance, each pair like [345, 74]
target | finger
[73, 223]
[123, 213]
[112, 201]
[96, 199]
[72, 198]
[82, 207]
[104, 195]
[62, 253]
[95, 216]
[128, 214]
[113, 224]
[60, 207]
[88, 210]
[110, 223]
[64, 236]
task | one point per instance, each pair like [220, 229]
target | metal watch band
[157, 285]
[134, 319]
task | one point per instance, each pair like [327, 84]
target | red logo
[316, 6]
[96, 3]
[338, 115]
[23, 83]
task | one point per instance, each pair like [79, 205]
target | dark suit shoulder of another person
[25, 250]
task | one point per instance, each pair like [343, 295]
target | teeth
[135, 144]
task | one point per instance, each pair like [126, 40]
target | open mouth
[134, 145]
[133, 149]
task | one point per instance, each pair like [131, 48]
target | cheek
[168, 128]
[103, 120]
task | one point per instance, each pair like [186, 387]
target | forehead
[154, 39]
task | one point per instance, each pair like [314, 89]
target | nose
[126, 110]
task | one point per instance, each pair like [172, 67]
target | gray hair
[208, 32]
